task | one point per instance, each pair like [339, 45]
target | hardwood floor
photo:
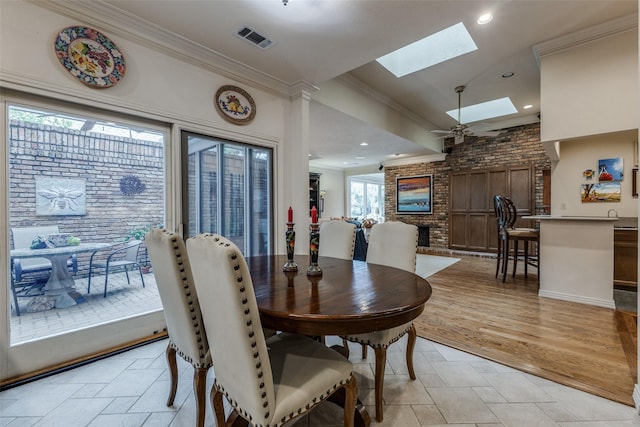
[586, 347]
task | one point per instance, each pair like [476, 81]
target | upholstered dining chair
[337, 239]
[187, 336]
[269, 382]
[393, 244]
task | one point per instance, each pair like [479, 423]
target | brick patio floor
[123, 300]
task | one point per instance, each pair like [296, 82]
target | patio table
[60, 283]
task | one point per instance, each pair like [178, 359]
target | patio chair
[124, 259]
[266, 382]
[29, 275]
[393, 244]
[187, 336]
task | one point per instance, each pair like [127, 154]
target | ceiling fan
[460, 130]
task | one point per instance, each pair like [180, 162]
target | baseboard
[636, 397]
[575, 298]
[427, 250]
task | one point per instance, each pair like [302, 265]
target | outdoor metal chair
[121, 259]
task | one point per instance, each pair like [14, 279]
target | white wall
[157, 85]
[346, 96]
[332, 181]
[580, 154]
[590, 89]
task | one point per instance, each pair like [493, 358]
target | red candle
[314, 215]
[290, 217]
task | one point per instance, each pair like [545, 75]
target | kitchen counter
[626, 223]
[576, 258]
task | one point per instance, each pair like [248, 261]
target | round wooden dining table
[350, 297]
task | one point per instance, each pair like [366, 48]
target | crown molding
[417, 159]
[568, 41]
[125, 25]
[302, 89]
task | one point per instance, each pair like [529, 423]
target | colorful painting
[414, 194]
[60, 196]
[600, 192]
[588, 174]
[610, 169]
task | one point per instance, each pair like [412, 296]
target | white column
[295, 170]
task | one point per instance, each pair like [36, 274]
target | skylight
[434, 49]
[484, 110]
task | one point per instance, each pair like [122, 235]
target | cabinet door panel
[497, 184]
[478, 231]
[458, 191]
[458, 231]
[625, 258]
[477, 191]
[520, 189]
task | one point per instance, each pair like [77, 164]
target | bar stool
[506, 216]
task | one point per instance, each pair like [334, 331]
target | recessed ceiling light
[434, 49]
[360, 157]
[508, 74]
[364, 144]
[485, 18]
[396, 155]
[484, 110]
[527, 106]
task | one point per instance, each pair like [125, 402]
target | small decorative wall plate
[90, 56]
[235, 104]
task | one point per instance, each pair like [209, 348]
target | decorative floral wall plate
[235, 104]
[90, 56]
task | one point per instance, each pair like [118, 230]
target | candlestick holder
[314, 244]
[290, 265]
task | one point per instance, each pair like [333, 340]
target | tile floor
[453, 388]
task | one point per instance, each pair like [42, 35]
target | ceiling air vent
[250, 35]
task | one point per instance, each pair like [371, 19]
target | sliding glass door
[227, 189]
[80, 185]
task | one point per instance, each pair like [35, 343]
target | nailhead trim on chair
[197, 326]
[260, 373]
[315, 401]
[378, 345]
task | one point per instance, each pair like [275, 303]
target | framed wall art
[235, 105]
[610, 169]
[414, 194]
[634, 185]
[600, 192]
[60, 196]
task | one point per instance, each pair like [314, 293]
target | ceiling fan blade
[440, 131]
